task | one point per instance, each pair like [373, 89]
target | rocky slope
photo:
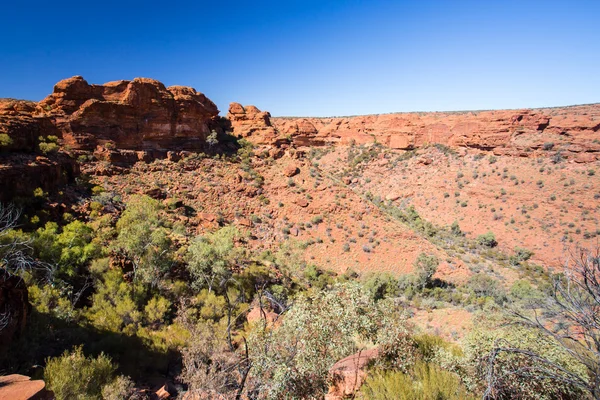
[571, 130]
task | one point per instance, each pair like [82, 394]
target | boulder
[20, 387]
[291, 170]
[348, 374]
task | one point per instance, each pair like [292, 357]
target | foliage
[115, 307]
[120, 388]
[70, 249]
[322, 327]
[487, 239]
[486, 286]
[424, 382]
[75, 376]
[426, 266]
[381, 285]
[5, 140]
[521, 255]
[144, 239]
[517, 376]
[212, 257]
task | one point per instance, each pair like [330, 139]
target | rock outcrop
[251, 123]
[135, 115]
[122, 122]
[574, 131]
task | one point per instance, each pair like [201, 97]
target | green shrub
[521, 254]
[487, 240]
[425, 266]
[48, 148]
[120, 388]
[381, 285]
[5, 140]
[212, 256]
[424, 382]
[144, 238]
[75, 376]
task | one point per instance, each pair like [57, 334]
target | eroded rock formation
[138, 114]
[251, 123]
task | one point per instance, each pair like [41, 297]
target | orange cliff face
[137, 114]
[572, 130]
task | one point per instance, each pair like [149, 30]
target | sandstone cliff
[571, 130]
[138, 114]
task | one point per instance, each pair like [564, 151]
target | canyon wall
[574, 131]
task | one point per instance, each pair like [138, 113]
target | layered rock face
[138, 114]
[572, 130]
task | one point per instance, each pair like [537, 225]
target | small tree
[425, 267]
[211, 257]
[144, 239]
[487, 239]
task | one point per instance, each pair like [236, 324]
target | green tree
[211, 257]
[144, 238]
[425, 267]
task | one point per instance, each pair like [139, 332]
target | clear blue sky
[317, 58]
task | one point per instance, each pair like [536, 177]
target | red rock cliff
[572, 130]
[138, 114]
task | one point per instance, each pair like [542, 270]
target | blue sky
[315, 58]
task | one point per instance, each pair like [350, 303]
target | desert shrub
[487, 239]
[212, 256]
[486, 286]
[70, 248]
[75, 376]
[209, 363]
[424, 382]
[156, 311]
[381, 285]
[521, 254]
[425, 267]
[318, 277]
[455, 229]
[48, 148]
[120, 388]
[522, 290]
[47, 299]
[115, 307]
[5, 140]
